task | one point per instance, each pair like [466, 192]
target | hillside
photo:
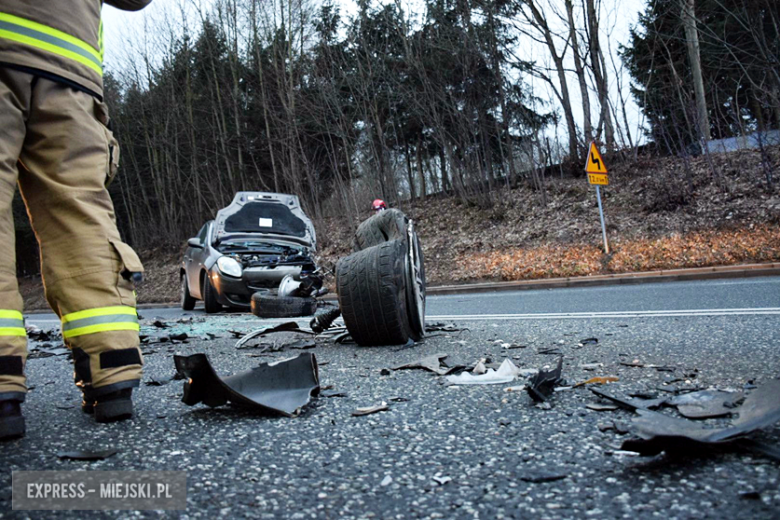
[658, 217]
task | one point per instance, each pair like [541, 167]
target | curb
[672, 275]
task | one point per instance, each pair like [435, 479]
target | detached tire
[268, 306]
[383, 227]
[415, 286]
[372, 294]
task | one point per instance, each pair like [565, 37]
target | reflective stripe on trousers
[51, 40]
[12, 323]
[101, 319]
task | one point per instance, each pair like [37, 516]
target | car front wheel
[210, 297]
[187, 301]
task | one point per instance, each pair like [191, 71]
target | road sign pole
[601, 214]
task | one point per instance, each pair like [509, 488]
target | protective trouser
[54, 142]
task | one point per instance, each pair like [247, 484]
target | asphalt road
[485, 446]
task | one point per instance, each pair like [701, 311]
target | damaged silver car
[259, 244]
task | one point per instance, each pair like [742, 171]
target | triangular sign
[595, 162]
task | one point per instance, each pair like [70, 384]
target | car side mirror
[194, 242]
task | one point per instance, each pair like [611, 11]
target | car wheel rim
[417, 312]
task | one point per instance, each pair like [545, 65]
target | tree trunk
[692, 42]
[587, 124]
[599, 73]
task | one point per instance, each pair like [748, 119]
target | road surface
[444, 451]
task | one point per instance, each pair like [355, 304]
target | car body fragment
[279, 388]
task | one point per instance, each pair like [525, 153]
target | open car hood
[266, 216]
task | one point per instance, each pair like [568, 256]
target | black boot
[11, 420]
[87, 401]
[115, 406]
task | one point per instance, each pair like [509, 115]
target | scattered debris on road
[542, 385]
[434, 363]
[631, 403]
[86, 455]
[658, 432]
[707, 404]
[506, 373]
[598, 381]
[286, 336]
[541, 477]
[598, 407]
[280, 388]
[37, 334]
[368, 410]
[440, 326]
[324, 321]
[47, 350]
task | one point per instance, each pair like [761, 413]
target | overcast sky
[123, 29]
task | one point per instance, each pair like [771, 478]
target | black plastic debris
[289, 326]
[443, 327]
[629, 403]
[280, 388]
[554, 351]
[434, 363]
[657, 432]
[160, 324]
[47, 350]
[760, 448]
[637, 364]
[589, 341]
[706, 403]
[154, 382]
[86, 455]
[36, 334]
[542, 385]
[540, 477]
[324, 321]
[343, 338]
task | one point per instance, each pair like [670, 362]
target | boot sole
[11, 427]
[110, 411]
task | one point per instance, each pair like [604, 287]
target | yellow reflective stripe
[51, 31]
[51, 48]
[12, 331]
[100, 39]
[102, 327]
[12, 315]
[99, 311]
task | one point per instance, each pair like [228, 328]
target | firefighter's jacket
[61, 38]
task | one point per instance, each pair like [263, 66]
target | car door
[194, 257]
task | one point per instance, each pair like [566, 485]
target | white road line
[769, 311]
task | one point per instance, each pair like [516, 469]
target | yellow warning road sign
[595, 163]
[597, 178]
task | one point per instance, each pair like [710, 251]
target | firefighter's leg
[13, 339]
[86, 267]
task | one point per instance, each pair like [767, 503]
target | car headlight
[229, 266]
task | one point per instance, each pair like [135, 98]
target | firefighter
[378, 205]
[56, 143]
